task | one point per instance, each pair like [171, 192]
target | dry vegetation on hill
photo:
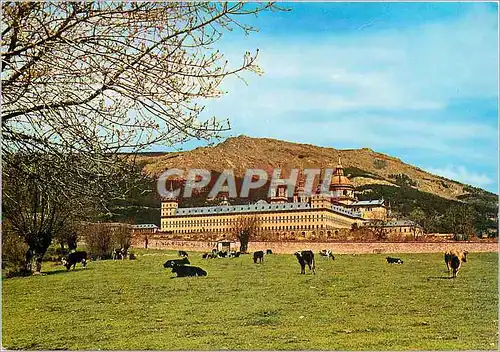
[364, 166]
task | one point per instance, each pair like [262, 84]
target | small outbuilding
[225, 246]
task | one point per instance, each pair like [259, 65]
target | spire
[172, 197]
[339, 170]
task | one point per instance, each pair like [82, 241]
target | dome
[340, 180]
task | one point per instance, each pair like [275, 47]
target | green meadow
[356, 302]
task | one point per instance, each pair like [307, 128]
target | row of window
[221, 221]
[263, 229]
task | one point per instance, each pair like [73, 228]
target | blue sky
[418, 81]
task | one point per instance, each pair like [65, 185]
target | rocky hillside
[363, 166]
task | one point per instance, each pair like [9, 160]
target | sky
[417, 81]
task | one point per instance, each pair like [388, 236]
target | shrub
[102, 238]
[13, 253]
[379, 164]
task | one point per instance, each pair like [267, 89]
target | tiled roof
[368, 202]
[258, 207]
[145, 226]
[392, 223]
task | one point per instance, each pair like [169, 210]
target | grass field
[353, 303]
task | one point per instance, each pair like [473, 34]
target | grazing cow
[305, 257]
[269, 251]
[75, 257]
[258, 255]
[204, 256]
[183, 271]
[454, 259]
[182, 254]
[327, 254]
[222, 254]
[172, 262]
[391, 260]
[119, 253]
[234, 254]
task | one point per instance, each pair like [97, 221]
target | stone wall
[336, 247]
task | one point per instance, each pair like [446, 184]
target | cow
[269, 251]
[258, 255]
[222, 254]
[183, 254]
[75, 257]
[119, 253]
[209, 255]
[170, 263]
[391, 260]
[234, 254]
[454, 259]
[183, 271]
[305, 257]
[327, 254]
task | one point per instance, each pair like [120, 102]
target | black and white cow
[75, 257]
[234, 254]
[222, 254]
[305, 257]
[119, 253]
[391, 260]
[327, 253]
[185, 270]
[172, 262]
[259, 255]
[182, 254]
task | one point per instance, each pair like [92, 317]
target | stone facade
[317, 216]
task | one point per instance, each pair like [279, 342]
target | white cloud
[462, 175]
[421, 67]
[385, 90]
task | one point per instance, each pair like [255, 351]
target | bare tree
[246, 227]
[83, 82]
[98, 77]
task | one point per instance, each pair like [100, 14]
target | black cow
[222, 254]
[183, 271]
[75, 257]
[183, 254]
[305, 257]
[258, 255]
[204, 256]
[172, 262]
[327, 253]
[269, 251]
[391, 260]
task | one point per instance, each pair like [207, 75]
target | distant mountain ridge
[363, 166]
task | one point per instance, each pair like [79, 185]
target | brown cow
[454, 259]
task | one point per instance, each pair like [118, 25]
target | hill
[373, 174]
[364, 166]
